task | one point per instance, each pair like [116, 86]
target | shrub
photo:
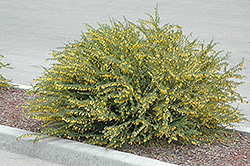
[127, 83]
[3, 81]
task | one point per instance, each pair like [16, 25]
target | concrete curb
[243, 130]
[20, 86]
[69, 152]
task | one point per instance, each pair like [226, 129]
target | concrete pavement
[29, 29]
[13, 159]
[68, 152]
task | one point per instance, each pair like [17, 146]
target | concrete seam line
[70, 152]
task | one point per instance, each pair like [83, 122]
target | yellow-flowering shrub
[3, 81]
[125, 83]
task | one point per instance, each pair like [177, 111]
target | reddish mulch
[235, 154]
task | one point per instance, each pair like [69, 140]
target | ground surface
[31, 29]
[13, 159]
[236, 154]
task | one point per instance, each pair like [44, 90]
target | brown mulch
[235, 154]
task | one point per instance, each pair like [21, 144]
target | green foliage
[3, 81]
[127, 83]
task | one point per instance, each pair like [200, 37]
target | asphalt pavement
[30, 30]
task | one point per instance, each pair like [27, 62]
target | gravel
[229, 154]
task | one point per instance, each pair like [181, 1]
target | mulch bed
[236, 153]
